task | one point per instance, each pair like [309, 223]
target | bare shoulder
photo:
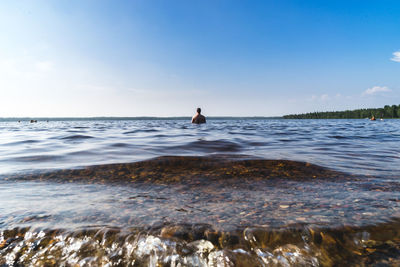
[198, 118]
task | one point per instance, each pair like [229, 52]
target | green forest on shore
[387, 112]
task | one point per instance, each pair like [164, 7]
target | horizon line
[132, 117]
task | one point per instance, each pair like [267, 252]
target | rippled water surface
[230, 192]
[357, 146]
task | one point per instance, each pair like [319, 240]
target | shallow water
[231, 206]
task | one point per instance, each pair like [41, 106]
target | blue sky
[165, 58]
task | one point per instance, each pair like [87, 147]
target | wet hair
[198, 110]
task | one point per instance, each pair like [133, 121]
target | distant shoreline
[387, 112]
[2, 119]
[43, 119]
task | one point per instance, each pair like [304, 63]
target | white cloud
[396, 56]
[323, 97]
[376, 90]
[44, 66]
[95, 88]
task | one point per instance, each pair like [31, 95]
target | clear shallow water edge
[231, 192]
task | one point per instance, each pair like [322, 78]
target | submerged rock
[193, 170]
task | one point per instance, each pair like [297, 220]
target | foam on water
[301, 246]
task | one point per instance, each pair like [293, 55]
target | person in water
[198, 118]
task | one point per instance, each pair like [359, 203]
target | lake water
[234, 192]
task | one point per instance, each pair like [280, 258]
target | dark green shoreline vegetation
[387, 112]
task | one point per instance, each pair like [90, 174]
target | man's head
[199, 110]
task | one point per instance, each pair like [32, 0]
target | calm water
[154, 222]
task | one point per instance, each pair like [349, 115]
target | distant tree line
[387, 112]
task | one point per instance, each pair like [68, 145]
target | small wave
[77, 137]
[120, 145]
[75, 131]
[338, 137]
[30, 141]
[36, 158]
[255, 143]
[141, 131]
[82, 153]
[212, 146]
[286, 140]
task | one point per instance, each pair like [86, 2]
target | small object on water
[373, 118]
[198, 118]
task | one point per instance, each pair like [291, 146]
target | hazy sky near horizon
[165, 58]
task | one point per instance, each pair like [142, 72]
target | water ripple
[77, 137]
[123, 141]
[211, 146]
